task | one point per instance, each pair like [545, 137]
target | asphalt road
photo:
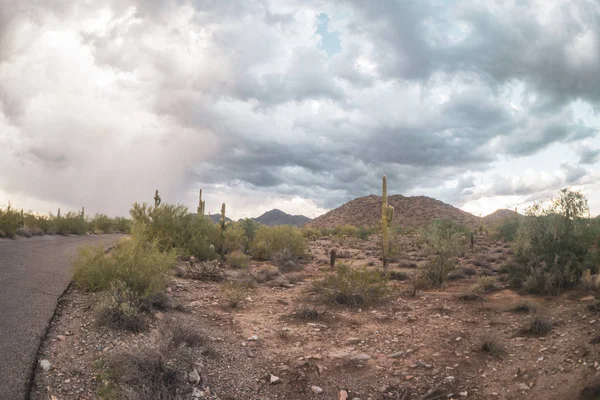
[33, 274]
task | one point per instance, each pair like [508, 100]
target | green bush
[237, 259]
[443, 240]
[234, 238]
[137, 262]
[352, 287]
[270, 240]
[552, 244]
[508, 229]
[122, 310]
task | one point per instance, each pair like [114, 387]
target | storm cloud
[300, 105]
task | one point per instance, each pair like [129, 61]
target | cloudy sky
[299, 105]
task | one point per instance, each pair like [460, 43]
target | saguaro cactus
[156, 199]
[58, 215]
[387, 215]
[201, 205]
[222, 235]
[82, 212]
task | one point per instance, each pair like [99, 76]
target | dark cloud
[312, 99]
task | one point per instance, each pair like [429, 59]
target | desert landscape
[268, 313]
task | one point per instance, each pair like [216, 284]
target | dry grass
[177, 333]
[491, 344]
[538, 326]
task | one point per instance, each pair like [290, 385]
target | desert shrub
[352, 287]
[71, 223]
[508, 229]
[176, 333]
[122, 310]
[136, 261]
[145, 373]
[538, 326]
[468, 271]
[207, 271]
[486, 283]
[590, 281]
[237, 259]
[491, 344]
[285, 260]
[346, 230]
[234, 238]
[234, 292]
[471, 295]
[444, 240]
[24, 231]
[363, 233]
[201, 233]
[250, 227]
[551, 244]
[266, 275]
[398, 276]
[306, 313]
[270, 240]
[525, 307]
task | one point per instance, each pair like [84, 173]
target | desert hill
[277, 217]
[501, 214]
[412, 212]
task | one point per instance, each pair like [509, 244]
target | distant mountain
[216, 218]
[501, 214]
[277, 217]
[413, 212]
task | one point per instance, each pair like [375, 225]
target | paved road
[33, 274]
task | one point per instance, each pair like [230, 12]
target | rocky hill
[411, 212]
[277, 217]
[501, 214]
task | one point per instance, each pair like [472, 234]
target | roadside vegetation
[22, 223]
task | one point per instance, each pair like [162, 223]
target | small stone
[353, 340]
[45, 364]
[458, 339]
[196, 393]
[360, 357]
[316, 389]
[61, 337]
[194, 377]
[397, 354]
[159, 316]
[409, 377]
[343, 395]
[274, 379]
[463, 394]
[449, 378]
[522, 386]
[253, 338]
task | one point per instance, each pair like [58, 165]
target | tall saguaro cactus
[222, 224]
[201, 205]
[58, 215]
[387, 215]
[156, 199]
[82, 212]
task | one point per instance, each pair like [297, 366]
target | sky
[297, 105]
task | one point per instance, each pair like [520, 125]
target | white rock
[194, 377]
[253, 338]
[274, 379]
[522, 386]
[316, 389]
[45, 364]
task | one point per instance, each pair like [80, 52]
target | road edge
[29, 383]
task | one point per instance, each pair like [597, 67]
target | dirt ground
[427, 346]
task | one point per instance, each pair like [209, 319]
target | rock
[45, 364]
[253, 338]
[194, 377]
[339, 355]
[449, 378]
[53, 398]
[588, 298]
[360, 357]
[397, 354]
[522, 386]
[274, 379]
[343, 395]
[353, 340]
[61, 337]
[198, 394]
[316, 389]
[463, 394]
[159, 316]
